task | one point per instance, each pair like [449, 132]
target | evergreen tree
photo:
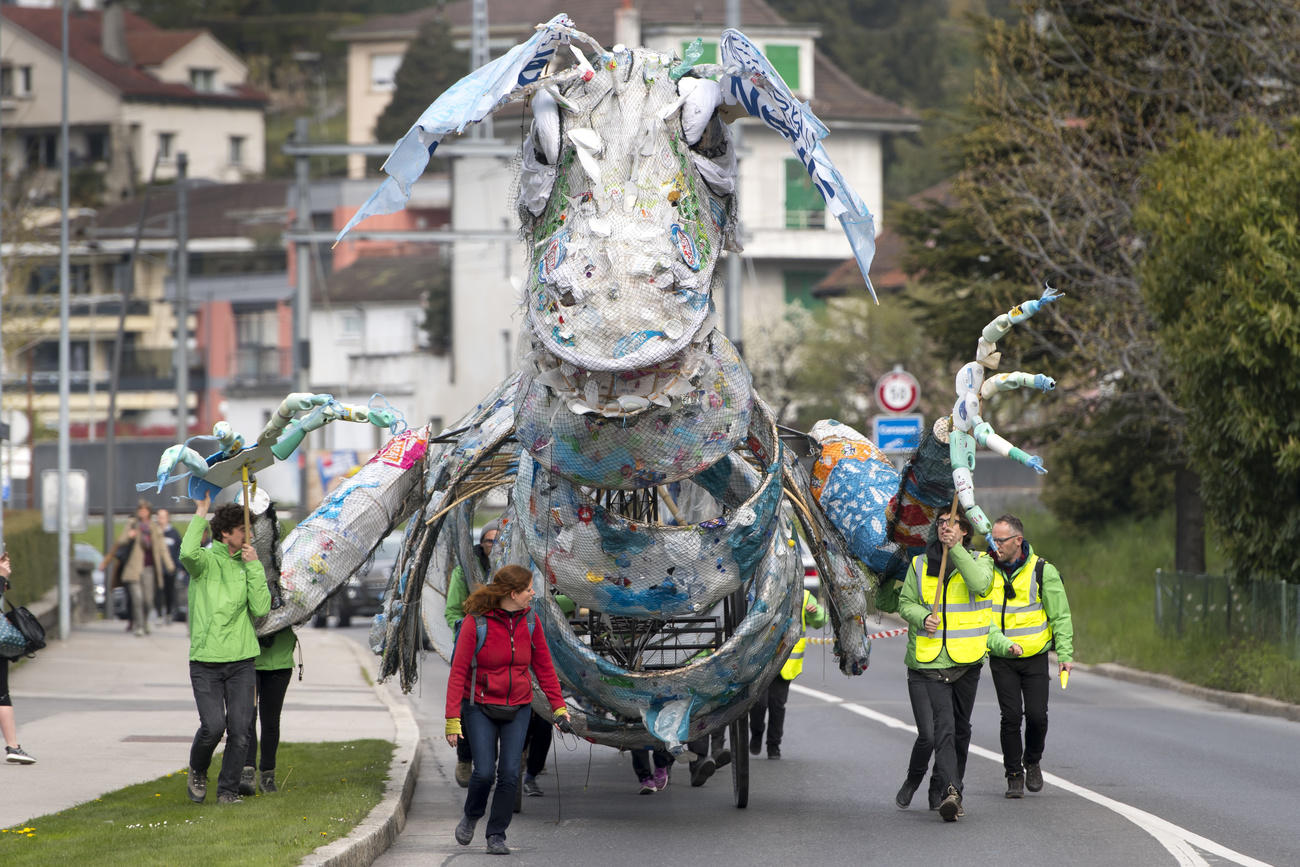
[1222, 218]
[432, 64]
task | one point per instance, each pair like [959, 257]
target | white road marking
[1178, 841]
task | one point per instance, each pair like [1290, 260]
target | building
[138, 95]
[789, 245]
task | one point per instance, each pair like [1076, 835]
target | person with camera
[14, 752]
[498, 645]
[227, 590]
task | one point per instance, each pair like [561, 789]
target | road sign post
[894, 434]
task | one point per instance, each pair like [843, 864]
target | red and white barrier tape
[888, 633]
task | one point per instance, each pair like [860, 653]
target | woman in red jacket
[496, 685]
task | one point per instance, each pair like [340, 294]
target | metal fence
[1189, 603]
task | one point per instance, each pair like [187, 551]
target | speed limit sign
[897, 391]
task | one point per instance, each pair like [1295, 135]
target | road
[1134, 775]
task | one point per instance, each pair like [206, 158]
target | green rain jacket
[225, 595]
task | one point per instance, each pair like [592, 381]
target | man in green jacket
[227, 590]
[1030, 614]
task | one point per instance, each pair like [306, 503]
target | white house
[137, 95]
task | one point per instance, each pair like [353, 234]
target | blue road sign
[897, 433]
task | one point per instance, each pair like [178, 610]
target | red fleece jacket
[503, 663]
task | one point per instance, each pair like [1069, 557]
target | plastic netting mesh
[624, 251]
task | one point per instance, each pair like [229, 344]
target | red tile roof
[838, 97]
[154, 44]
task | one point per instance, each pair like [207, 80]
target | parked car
[363, 594]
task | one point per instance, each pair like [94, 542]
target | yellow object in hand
[1065, 677]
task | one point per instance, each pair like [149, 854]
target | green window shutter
[799, 286]
[804, 206]
[785, 60]
[708, 55]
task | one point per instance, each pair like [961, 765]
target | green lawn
[1110, 578]
[325, 790]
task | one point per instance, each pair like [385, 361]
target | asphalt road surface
[1134, 775]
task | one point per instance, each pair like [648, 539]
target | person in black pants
[943, 601]
[274, 671]
[1031, 615]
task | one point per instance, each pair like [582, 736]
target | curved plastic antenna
[759, 88]
[467, 101]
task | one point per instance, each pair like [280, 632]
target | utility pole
[479, 57]
[182, 298]
[65, 351]
[302, 302]
[731, 293]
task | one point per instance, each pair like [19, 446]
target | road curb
[1235, 700]
[377, 831]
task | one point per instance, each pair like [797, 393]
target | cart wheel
[740, 762]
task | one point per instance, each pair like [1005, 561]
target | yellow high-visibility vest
[1021, 618]
[794, 664]
[963, 619]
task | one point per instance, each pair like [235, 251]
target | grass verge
[324, 791]
[1110, 578]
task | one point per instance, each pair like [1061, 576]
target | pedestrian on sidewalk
[147, 559]
[14, 752]
[499, 644]
[227, 590]
[772, 702]
[1031, 614]
[948, 619]
[172, 539]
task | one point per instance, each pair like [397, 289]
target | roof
[257, 210]
[386, 279]
[149, 46]
[838, 96]
[887, 267]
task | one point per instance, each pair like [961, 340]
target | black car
[363, 594]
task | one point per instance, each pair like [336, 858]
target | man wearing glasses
[1030, 610]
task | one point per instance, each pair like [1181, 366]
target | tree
[1222, 219]
[1076, 98]
[432, 64]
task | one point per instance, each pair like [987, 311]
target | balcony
[141, 370]
[256, 366]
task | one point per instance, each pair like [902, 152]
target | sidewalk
[106, 709]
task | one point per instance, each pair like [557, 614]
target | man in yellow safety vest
[772, 702]
[1030, 615]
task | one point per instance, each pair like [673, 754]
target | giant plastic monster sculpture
[628, 400]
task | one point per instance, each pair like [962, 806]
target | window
[352, 325]
[203, 80]
[804, 206]
[236, 150]
[166, 143]
[799, 286]
[708, 55]
[785, 60]
[257, 353]
[383, 71]
[42, 150]
[16, 81]
[96, 146]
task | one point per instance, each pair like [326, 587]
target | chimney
[627, 25]
[113, 33]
